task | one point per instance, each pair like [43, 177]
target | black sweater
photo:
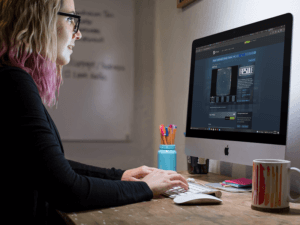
[36, 174]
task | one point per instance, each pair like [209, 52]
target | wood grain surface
[235, 209]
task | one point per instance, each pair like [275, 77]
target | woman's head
[34, 38]
[65, 34]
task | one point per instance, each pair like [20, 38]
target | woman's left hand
[137, 173]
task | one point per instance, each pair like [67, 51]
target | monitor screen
[239, 84]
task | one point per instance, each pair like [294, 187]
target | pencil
[161, 134]
[174, 134]
[171, 135]
[167, 134]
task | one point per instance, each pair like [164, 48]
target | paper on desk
[229, 189]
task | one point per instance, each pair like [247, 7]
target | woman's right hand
[159, 181]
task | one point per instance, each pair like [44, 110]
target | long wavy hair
[28, 40]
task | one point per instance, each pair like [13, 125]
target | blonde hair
[28, 40]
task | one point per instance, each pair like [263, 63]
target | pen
[167, 134]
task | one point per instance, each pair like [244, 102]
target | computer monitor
[239, 93]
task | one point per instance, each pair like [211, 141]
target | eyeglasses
[76, 20]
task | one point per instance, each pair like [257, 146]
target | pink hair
[43, 72]
[27, 28]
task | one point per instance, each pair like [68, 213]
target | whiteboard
[96, 99]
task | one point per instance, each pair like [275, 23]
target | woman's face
[65, 34]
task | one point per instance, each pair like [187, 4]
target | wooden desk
[235, 209]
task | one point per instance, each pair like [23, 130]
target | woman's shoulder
[6, 67]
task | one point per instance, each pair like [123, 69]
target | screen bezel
[280, 139]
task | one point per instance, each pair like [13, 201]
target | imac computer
[239, 93]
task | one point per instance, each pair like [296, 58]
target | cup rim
[271, 161]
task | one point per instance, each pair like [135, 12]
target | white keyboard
[193, 188]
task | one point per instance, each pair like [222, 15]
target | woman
[35, 39]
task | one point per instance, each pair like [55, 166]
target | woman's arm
[93, 171]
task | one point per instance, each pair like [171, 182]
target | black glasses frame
[72, 15]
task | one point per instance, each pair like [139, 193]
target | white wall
[175, 29]
[139, 151]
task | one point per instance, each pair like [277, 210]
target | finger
[179, 183]
[181, 178]
[184, 180]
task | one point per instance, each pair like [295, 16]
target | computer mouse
[192, 198]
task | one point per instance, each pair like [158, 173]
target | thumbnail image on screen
[232, 84]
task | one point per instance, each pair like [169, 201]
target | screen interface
[238, 83]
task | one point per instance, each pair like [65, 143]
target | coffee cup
[271, 185]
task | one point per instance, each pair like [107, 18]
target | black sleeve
[93, 171]
[36, 159]
[68, 191]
